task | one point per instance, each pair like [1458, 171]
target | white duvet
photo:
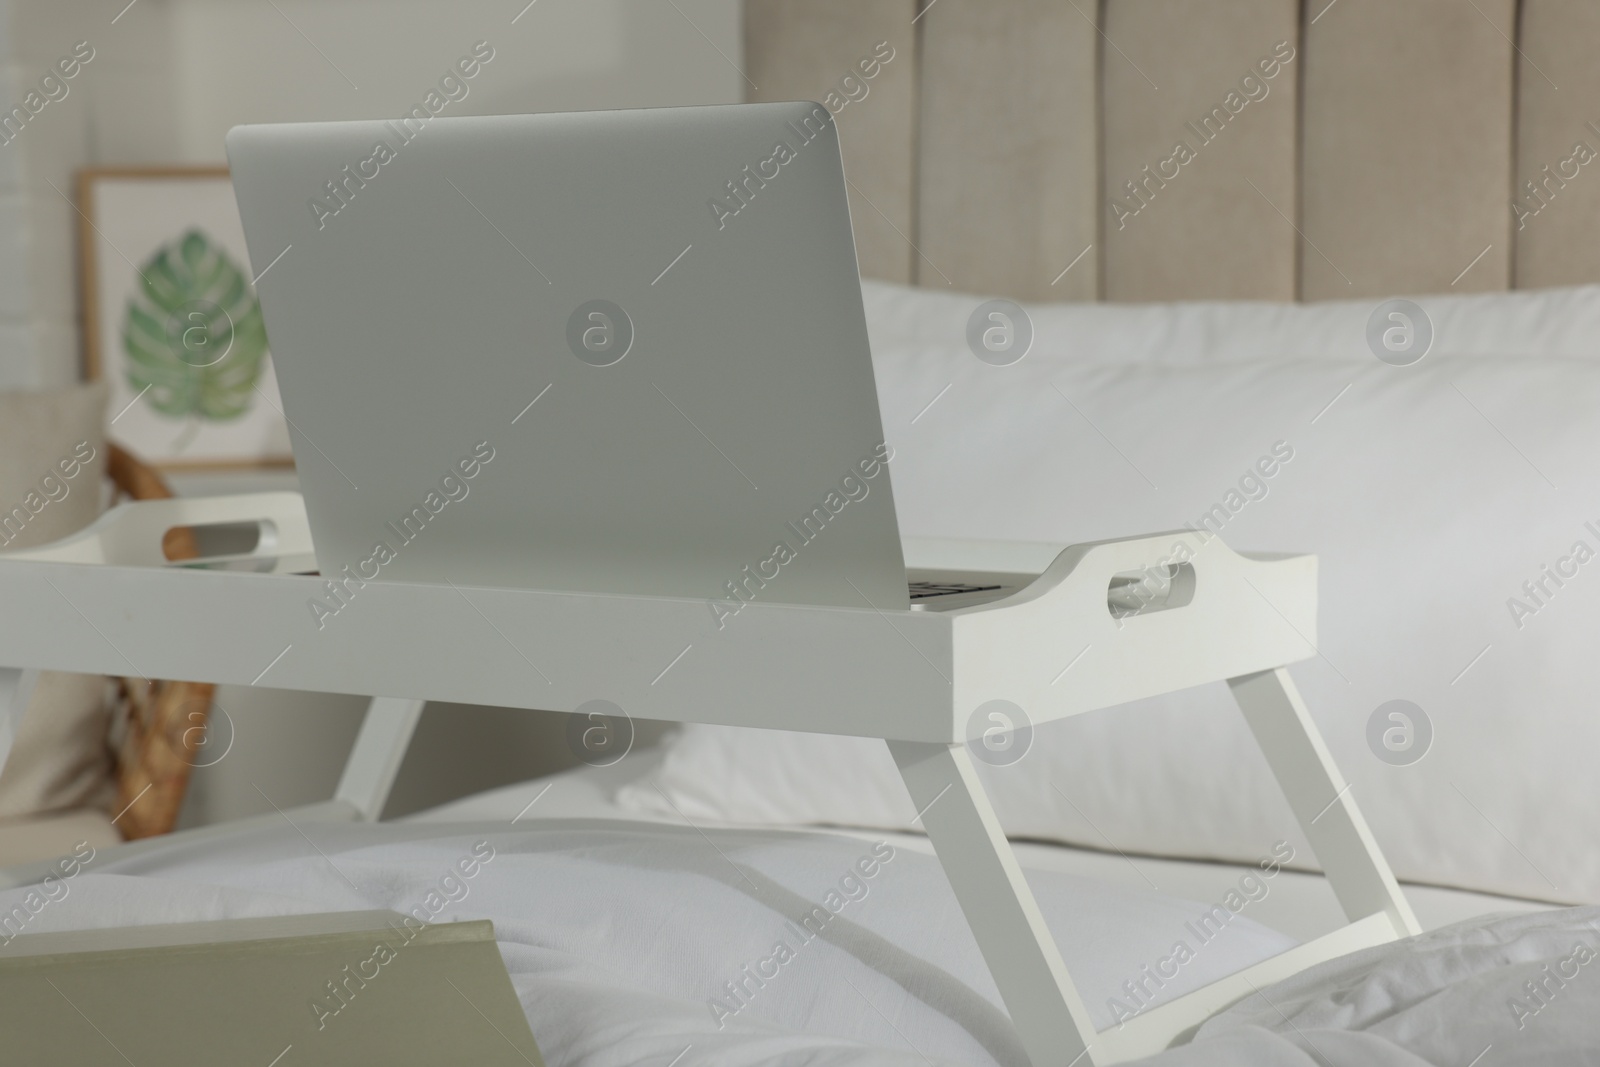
[632, 944]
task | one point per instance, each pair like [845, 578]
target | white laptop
[615, 352]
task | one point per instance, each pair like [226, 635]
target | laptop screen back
[603, 352]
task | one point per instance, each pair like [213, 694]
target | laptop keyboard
[924, 590]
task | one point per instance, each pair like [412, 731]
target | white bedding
[621, 936]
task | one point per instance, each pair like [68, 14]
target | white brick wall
[119, 109]
[18, 353]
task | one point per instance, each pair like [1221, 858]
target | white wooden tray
[107, 602]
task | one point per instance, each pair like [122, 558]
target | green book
[345, 989]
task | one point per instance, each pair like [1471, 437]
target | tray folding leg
[1023, 958]
[375, 760]
[1320, 799]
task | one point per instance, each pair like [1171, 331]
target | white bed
[626, 899]
[651, 912]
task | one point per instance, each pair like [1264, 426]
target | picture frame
[171, 320]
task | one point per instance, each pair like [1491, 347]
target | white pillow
[1430, 492]
[1548, 322]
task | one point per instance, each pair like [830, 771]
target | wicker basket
[160, 725]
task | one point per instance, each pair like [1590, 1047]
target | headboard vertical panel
[1406, 164]
[1201, 105]
[823, 50]
[1008, 174]
[1554, 223]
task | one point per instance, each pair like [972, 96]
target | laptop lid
[613, 352]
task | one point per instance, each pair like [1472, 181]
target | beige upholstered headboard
[1329, 149]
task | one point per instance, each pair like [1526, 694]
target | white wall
[242, 61]
[170, 77]
[168, 80]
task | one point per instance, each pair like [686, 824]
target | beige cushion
[47, 836]
[52, 469]
[61, 758]
[52, 463]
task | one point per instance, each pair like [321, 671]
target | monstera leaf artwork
[193, 334]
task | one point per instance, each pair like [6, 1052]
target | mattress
[658, 941]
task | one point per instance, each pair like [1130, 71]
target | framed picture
[171, 320]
